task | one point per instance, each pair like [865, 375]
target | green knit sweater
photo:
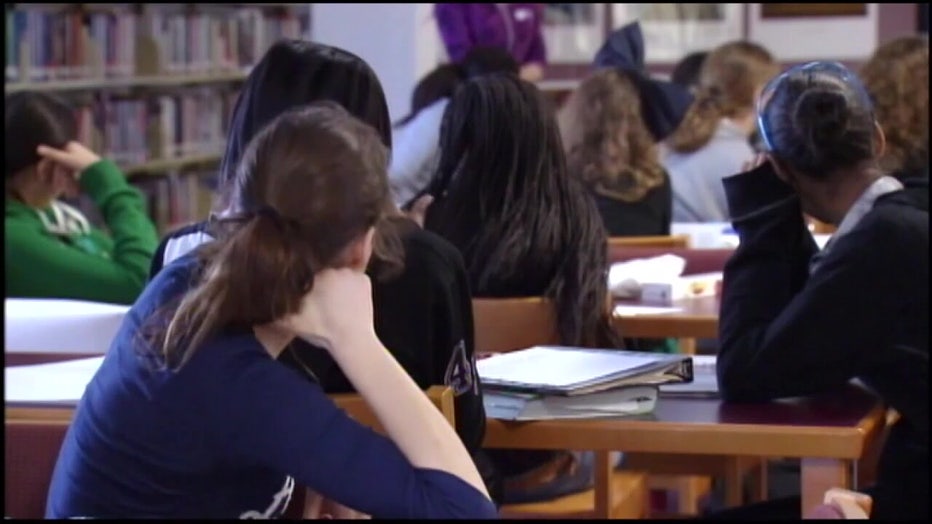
[95, 266]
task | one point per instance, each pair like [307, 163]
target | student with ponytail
[423, 308]
[713, 140]
[191, 416]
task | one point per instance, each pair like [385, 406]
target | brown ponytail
[729, 81]
[322, 176]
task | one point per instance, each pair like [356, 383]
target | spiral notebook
[704, 383]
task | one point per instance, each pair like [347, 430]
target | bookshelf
[153, 85]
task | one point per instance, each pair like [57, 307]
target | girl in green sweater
[51, 251]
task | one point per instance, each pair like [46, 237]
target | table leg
[820, 475]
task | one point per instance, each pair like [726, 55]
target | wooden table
[698, 319]
[829, 433]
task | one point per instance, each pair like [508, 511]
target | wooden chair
[669, 241]
[31, 448]
[507, 324]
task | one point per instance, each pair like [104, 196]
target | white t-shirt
[415, 152]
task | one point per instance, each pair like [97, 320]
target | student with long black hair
[422, 302]
[416, 152]
[190, 415]
[799, 321]
[525, 227]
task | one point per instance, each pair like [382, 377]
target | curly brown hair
[729, 81]
[606, 141]
[897, 78]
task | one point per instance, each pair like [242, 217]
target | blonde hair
[730, 79]
[606, 141]
[897, 79]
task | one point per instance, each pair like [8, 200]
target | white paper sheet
[625, 278]
[633, 311]
[60, 326]
[55, 382]
[548, 366]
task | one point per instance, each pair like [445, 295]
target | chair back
[670, 241]
[358, 409]
[31, 447]
[507, 324]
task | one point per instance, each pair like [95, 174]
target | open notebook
[558, 370]
[704, 383]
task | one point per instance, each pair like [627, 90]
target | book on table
[544, 382]
[704, 383]
[620, 401]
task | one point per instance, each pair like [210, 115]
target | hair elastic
[832, 69]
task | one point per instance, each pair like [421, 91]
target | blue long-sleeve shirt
[228, 435]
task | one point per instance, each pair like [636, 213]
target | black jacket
[863, 314]
[650, 216]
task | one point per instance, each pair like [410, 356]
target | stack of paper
[625, 279]
[58, 382]
[623, 401]
[559, 382]
[665, 293]
[60, 326]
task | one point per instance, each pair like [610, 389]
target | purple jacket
[463, 26]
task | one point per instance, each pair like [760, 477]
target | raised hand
[73, 156]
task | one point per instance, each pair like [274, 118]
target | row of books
[173, 200]
[50, 45]
[226, 40]
[134, 130]
[176, 200]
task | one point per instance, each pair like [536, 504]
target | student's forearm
[413, 423]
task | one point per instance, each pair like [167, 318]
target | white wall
[399, 41]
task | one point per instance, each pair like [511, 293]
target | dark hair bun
[822, 115]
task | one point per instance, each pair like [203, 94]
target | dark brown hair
[606, 141]
[33, 119]
[729, 82]
[320, 176]
[897, 78]
[817, 118]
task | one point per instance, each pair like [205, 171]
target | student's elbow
[739, 380]
[441, 495]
